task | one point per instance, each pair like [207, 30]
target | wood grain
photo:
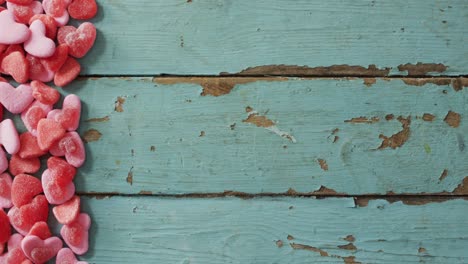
[212, 36]
[274, 230]
[163, 137]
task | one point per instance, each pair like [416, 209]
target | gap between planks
[91, 76]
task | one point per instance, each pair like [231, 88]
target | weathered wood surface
[213, 36]
[209, 231]
[163, 136]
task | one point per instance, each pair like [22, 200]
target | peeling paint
[424, 81]
[422, 250]
[363, 120]
[397, 140]
[290, 237]
[349, 246]
[453, 119]
[443, 175]
[369, 81]
[279, 243]
[98, 119]
[329, 71]
[389, 117]
[460, 83]
[216, 86]
[262, 121]
[119, 104]
[351, 260]
[143, 192]
[129, 178]
[420, 69]
[428, 117]
[349, 238]
[309, 248]
[91, 135]
[152, 148]
[323, 164]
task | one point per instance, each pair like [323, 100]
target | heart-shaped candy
[49, 22]
[3, 161]
[82, 9]
[37, 71]
[10, 31]
[79, 40]
[8, 51]
[40, 251]
[29, 147]
[24, 189]
[17, 99]
[38, 44]
[19, 165]
[9, 136]
[71, 146]
[75, 234]
[22, 219]
[5, 229]
[15, 256]
[68, 212]
[41, 230]
[67, 73]
[56, 61]
[5, 191]
[20, 2]
[66, 256]
[16, 65]
[44, 93]
[33, 114]
[58, 10]
[56, 193]
[60, 171]
[23, 13]
[69, 115]
[15, 241]
[49, 132]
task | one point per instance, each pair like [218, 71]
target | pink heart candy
[15, 241]
[55, 193]
[75, 234]
[35, 112]
[69, 115]
[9, 136]
[40, 251]
[49, 7]
[3, 161]
[23, 13]
[38, 44]
[17, 99]
[71, 146]
[10, 31]
[5, 191]
[66, 256]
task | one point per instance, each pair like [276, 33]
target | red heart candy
[5, 229]
[24, 189]
[71, 146]
[22, 219]
[21, 2]
[23, 13]
[41, 251]
[69, 115]
[82, 9]
[44, 93]
[37, 71]
[5, 191]
[16, 256]
[20, 166]
[80, 40]
[49, 22]
[41, 230]
[33, 114]
[62, 172]
[63, 32]
[16, 65]
[76, 234]
[48, 132]
[3, 161]
[67, 212]
[8, 51]
[66, 256]
[54, 8]
[55, 193]
[56, 61]
[29, 147]
[67, 73]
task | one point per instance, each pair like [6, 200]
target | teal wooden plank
[208, 231]
[145, 136]
[213, 36]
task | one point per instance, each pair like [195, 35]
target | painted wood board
[212, 36]
[302, 134]
[154, 230]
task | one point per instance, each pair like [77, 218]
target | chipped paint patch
[420, 69]
[351, 260]
[349, 238]
[363, 120]
[424, 81]
[98, 119]
[119, 104]
[153, 148]
[91, 135]
[443, 175]
[262, 121]
[290, 237]
[216, 86]
[143, 192]
[460, 83]
[349, 246]
[397, 140]
[369, 81]
[453, 119]
[309, 248]
[279, 243]
[428, 117]
[323, 164]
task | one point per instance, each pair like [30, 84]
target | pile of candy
[37, 46]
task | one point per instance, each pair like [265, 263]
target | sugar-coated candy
[37, 71]
[39, 44]
[29, 146]
[40, 251]
[24, 189]
[12, 32]
[5, 191]
[56, 193]
[66, 256]
[56, 61]
[16, 65]
[41, 230]
[58, 10]
[21, 2]
[9, 136]
[33, 114]
[15, 241]
[23, 218]
[69, 115]
[67, 73]
[48, 132]
[23, 13]
[15, 100]
[82, 9]
[71, 146]
[19, 165]
[44, 93]
[67, 212]
[75, 234]
[5, 229]
[60, 170]
[79, 40]
[49, 22]
[3, 161]
[15, 256]
[10, 49]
